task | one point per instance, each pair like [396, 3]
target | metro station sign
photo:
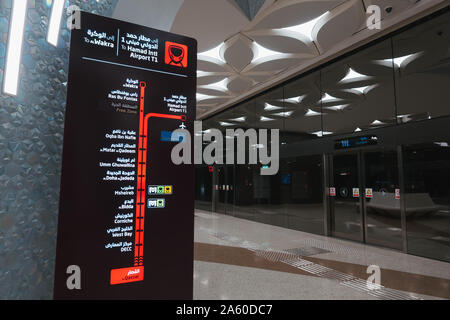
[126, 217]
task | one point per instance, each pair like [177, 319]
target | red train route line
[136, 273]
[142, 173]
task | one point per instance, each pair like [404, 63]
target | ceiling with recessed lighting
[246, 44]
[358, 92]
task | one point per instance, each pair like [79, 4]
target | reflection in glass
[301, 192]
[398, 80]
[358, 92]
[270, 112]
[229, 189]
[346, 211]
[422, 70]
[302, 105]
[203, 188]
[220, 189]
[244, 200]
[383, 217]
[427, 180]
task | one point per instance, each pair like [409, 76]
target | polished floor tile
[242, 259]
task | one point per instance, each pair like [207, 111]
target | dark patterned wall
[31, 137]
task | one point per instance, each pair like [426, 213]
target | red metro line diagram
[136, 272]
[122, 199]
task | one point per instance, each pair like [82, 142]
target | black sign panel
[356, 142]
[126, 219]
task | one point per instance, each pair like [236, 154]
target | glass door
[224, 189]
[229, 189]
[220, 189]
[383, 224]
[364, 197]
[345, 197]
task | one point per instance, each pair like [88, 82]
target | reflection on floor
[303, 217]
[241, 259]
[428, 234]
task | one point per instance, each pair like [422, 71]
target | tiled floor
[241, 259]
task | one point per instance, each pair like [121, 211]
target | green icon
[161, 203]
[160, 189]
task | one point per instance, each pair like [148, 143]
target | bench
[416, 203]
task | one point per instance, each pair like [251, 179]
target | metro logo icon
[176, 54]
[152, 190]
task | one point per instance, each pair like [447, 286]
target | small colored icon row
[160, 190]
[156, 203]
[344, 192]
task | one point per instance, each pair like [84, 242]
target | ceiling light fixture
[213, 53]
[352, 74]
[55, 22]
[399, 61]
[221, 85]
[442, 144]
[14, 53]
[337, 108]
[312, 113]
[306, 28]
[271, 107]
[201, 96]
[284, 114]
[294, 99]
[361, 90]
[322, 133]
[202, 73]
[240, 119]
[327, 98]
[266, 119]
[262, 52]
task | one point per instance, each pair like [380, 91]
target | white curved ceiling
[237, 55]
[150, 13]
[208, 21]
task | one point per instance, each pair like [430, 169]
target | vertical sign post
[126, 218]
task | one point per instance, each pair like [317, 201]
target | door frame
[399, 184]
[329, 182]
[331, 207]
[216, 196]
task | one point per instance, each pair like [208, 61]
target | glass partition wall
[392, 192]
